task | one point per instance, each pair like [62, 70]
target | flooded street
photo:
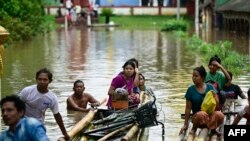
[96, 56]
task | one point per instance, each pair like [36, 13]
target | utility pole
[178, 10]
[197, 17]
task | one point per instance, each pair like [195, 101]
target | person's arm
[111, 91]
[237, 119]
[187, 116]
[240, 92]
[225, 72]
[240, 115]
[216, 96]
[39, 134]
[136, 79]
[59, 121]
[73, 106]
[93, 101]
[243, 96]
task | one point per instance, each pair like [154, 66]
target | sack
[209, 103]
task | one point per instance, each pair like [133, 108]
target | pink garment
[120, 82]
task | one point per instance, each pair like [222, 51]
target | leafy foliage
[174, 24]
[23, 19]
[233, 61]
[106, 12]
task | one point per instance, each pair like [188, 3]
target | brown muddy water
[97, 55]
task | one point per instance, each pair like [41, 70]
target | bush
[223, 49]
[23, 19]
[174, 24]
[106, 12]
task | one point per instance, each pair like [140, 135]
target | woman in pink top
[125, 80]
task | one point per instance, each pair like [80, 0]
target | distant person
[21, 128]
[151, 3]
[232, 91]
[194, 97]
[38, 98]
[244, 113]
[79, 99]
[68, 5]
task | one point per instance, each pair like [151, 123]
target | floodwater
[97, 55]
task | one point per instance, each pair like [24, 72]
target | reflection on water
[96, 56]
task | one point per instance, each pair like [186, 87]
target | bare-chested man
[78, 100]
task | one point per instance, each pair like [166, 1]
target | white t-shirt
[37, 103]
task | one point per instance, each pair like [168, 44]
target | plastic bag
[209, 103]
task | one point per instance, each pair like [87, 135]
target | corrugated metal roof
[235, 5]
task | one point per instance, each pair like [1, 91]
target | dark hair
[230, 73]
[202, 71]
[45, 70]
[214, 58]
[18, 103]
[248, 92]
[78, 81]
[129, 63]
[135, 61]
[142, 76]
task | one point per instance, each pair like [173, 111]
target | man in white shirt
[38, 98]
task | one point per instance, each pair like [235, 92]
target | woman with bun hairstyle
[194, 97]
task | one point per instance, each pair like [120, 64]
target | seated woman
[194, 98]
[125, 80]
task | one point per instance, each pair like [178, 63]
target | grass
[139, 22]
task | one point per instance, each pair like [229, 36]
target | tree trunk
[107, 19]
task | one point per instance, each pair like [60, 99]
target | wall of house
[129, 10]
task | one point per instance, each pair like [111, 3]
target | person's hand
[94, 105]
[137, 70]
[214, 93]
[217, 64]
[67, 137]
[183, 129]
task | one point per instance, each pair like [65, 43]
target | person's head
[135, 61]
[141, 80]
[43, 77]
[78, 87]
[13, 109]
[129, 68]
[199, 75]
[212, 63]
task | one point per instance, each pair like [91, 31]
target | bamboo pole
[139, 135]
[115, 132]
[131, 133]
[80, 125]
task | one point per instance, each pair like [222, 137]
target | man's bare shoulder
[87, 95]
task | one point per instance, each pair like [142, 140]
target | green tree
[22, 18]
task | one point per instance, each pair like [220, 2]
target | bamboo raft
[230, 109]
[121, 124]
